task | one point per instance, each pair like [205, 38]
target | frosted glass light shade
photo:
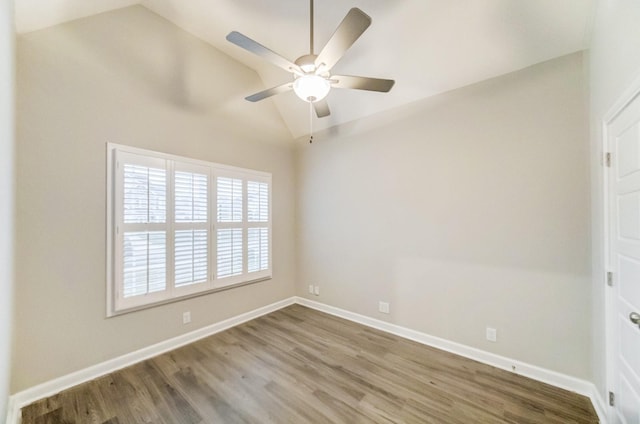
[311, 88]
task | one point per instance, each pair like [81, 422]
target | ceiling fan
[312, 78]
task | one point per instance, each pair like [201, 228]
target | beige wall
[6, 194]
[466, 210]
[132, 78]
[614, 65]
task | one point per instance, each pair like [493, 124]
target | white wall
[614, 65]
[466, 210]
[128, 77]
[6, 194]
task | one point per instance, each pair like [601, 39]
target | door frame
[629, 95]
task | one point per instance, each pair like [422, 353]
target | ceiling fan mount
[312, 78]
[307, 62]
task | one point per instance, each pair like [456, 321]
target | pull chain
[310, 122]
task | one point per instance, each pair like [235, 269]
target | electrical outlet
[316, 290]
[310, 289]
[383, 307]
[186, 317]
[492, 334]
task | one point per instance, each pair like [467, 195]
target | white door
[623, 140]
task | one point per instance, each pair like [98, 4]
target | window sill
[112, 312]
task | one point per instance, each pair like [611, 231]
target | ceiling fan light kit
[312, 79]
[311, 88]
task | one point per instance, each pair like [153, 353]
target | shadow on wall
[130, 63]
[159, 58]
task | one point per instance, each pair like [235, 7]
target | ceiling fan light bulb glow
[311, 88]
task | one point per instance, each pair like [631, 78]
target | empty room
[299, 211]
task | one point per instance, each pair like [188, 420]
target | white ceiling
[427, 46]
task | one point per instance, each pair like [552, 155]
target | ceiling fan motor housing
[307, 63]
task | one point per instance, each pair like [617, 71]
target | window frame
[117, 304]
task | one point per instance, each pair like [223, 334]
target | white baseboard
[599, 405]
[553, 378]
[26, 397]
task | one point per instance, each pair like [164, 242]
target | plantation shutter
[145, 256]
[141, 240]
[229, 199]
[191, 237]
[229, 238]
[258, 230]
[179, 227]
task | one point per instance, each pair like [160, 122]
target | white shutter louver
[144, 252]
[191, 238]
[190, 197]
[258, 249]
[145, 257]
[190, 257]
[229, 242]
[229, 199]
[258, 233]
[257, 201]
[229, 238]
[145, 194]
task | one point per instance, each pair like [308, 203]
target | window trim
[213, 284]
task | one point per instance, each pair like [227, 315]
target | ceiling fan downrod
[311, 27]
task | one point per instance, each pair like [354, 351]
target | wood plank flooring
[298, 365]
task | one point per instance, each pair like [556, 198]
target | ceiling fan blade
[254, 47]
[349, 30]
[322, 108]
[270, 92]
[362, 83]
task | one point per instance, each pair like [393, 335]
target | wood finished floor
[298, 365]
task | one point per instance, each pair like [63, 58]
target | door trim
[627, 97]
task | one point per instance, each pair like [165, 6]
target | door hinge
[612, 399]
[610, 279]
[607, 160]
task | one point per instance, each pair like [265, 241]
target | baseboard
[553, 378]
[599, 405]
[26, 397]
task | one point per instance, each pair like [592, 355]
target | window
[180, 227]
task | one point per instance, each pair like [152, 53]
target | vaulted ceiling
[427, 46]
